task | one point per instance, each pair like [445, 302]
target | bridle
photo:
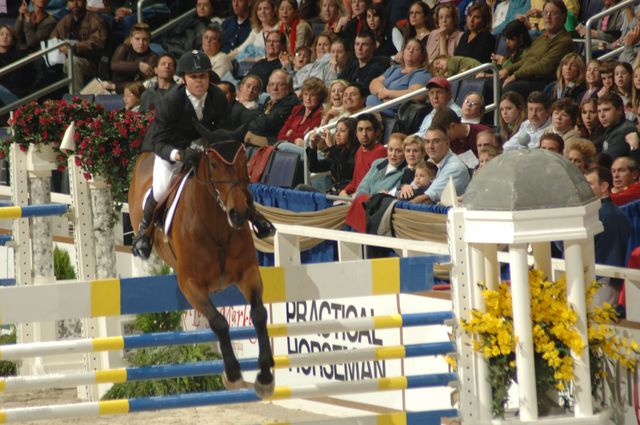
[212, 183]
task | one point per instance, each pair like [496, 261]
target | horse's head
[224, 169]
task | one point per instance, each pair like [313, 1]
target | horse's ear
[207, 135]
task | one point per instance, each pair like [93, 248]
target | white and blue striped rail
[22, 383]
[87, 345]
[115, 297]
[222, 397]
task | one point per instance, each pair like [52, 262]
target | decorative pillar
[491, 265]
[576, 298]
[102, 210]
[522, 328]
[542, 257]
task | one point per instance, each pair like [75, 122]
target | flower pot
[41, 158]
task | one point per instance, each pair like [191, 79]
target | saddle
[162, 215]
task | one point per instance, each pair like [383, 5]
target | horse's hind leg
[199, 299]
[264, 384]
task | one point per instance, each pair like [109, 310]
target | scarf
[291, 34]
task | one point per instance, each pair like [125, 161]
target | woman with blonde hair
[305, 116]
[570, 78]
[264, 19]
[334, 107]
[581, 152]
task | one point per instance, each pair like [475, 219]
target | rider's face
[197, 83]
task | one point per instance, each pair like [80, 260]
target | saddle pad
[172, 209]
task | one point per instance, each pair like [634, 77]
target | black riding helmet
[192, 62]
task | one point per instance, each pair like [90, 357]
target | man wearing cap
[172, 132]
[440, 98]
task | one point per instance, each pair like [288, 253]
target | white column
[491, 266]
[523, 330]
[542, 257]
[576, 298]
[477, 279]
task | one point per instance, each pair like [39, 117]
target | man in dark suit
[172, 132]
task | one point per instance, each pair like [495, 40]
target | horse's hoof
[264, 390]
[232, 385]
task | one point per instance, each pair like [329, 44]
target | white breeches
[162, 173]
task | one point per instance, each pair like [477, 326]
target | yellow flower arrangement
[555, 337]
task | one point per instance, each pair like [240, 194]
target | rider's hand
[190, 157]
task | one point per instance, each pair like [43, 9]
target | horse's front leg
[264, 384]
[198, 296]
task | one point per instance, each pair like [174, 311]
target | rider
[172, 132]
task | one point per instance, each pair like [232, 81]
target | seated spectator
[14, 84]
[424, 174]
[188, 34]
[444, 39]
[552, 142]
[33, 27]
[620, 135]
[518, 42]
[608, 27]
[211, 44]
[368, 133]
[448, 66]
[264, 19]
[306, 116]
[581, 153]
[334, 107]
[308, 9]
[296, 30]
[156, 87]
[513, 111]
[229, 91]
[352, 101]
[606, 76]
[472, 108]
[322, 45]
[364, 67]
[610, 245]
[622, 75]
[588, 123]
[462, 137]
[515, 8]
[236, 28]
[569, 79]
[378, 24]
[538, 67]
[419, 26]
[564, 114]
[330, 13]
[399, 80]
[132, 95]
[125, 16]
[414, 153]
[625, 181]
[439, 97]
[485, 155]
[339, 154]
[299, 67]
[350, 27]
[133, 60]
[533, 18]
[246, 106]
[592, 80]
[264, 128]
[488, 138]
[533, 128]
[90, 34]
[448, 163]
[385, 173]
[477, 42]
[275, 48]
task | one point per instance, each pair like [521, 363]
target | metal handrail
[164, 28]
[140, 11]
[615, 52]
[50, 88]
[597, 16]
[377, 108]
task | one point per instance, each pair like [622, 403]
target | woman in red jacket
[305, 116]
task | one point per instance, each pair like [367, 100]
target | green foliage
[8, 368]
[158, 322]
[62, 267]
[159, 387]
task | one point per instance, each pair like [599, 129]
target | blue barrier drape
[632, 211]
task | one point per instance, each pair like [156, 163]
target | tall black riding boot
[142, 244]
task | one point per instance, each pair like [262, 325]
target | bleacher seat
[110, 102]
[284, 170]
[480, 85]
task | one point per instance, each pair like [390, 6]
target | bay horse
[210, 245]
